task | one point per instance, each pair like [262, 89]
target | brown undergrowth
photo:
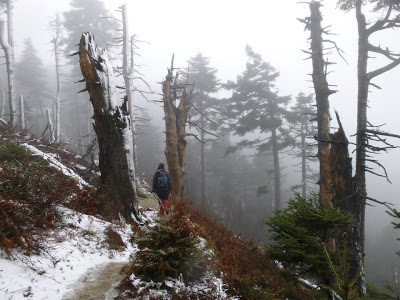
[29, 191]
[244, 267]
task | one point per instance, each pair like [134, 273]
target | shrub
[169, 249]
[298, 232]
[11, 151]
[92, 202]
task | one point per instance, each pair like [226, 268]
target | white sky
[221, 29]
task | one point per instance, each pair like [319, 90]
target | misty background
[220, 30]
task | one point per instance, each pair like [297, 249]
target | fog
[220, 30]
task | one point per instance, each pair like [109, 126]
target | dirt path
[98, 283]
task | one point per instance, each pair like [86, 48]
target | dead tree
[49, 126]
[22, 112]
[322, 92]
[175, 128]
[112, 125]
[336, 185]
[56, 24]
[368, 135]
[3, 103]
[129, 72]
[6, 42]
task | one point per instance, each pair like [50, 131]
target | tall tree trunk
[128, 70]
[21, 112]
[322, 93]
[202, 159]
[175, 130]
[358, 237]
[277, 170]
[112, 127]
[303, 161]
[9, 55]
[50, 127]
[56, 41]
[3, 103]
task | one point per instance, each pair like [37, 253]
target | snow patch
[51, 159]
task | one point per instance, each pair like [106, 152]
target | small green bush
[169, 249]
[11, 151]
[298, 232]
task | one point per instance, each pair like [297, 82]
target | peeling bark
[322, 93]
[112, 126]
[175, 130]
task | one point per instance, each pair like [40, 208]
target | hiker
[162, 186]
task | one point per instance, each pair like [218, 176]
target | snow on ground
[51, 159]
[72, 252]
[209, 284]
[77, 252]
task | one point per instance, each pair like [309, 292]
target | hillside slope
[57, 240]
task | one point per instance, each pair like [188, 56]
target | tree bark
[358, 237]
[112, 125]
[303, 160]
[202, 158]
[9, 55]
[50, 126]
[128, 70]
[56, 40]
[3, 103]
[277, 170]
[322, 93]
[22, 112]
[175, 131]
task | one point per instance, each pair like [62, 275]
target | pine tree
[32, 84]
[85, 16]
[299, 117]
[205, 84]
[256, 105]
[299, 231]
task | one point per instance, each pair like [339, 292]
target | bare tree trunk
[277, 169]
[50, 126]
[56, 41]
[21, 112]
[175, 130]
[303, 161]
[322, 93]
[128, 73]
[3, 103]
[202, 159]
[9, 55]
[112, 127]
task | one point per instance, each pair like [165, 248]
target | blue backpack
[162, 181]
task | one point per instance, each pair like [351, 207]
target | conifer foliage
[256, 106]
[170, 249]
[299, 231]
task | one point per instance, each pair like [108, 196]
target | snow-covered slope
[72, 251]
[76, 253]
